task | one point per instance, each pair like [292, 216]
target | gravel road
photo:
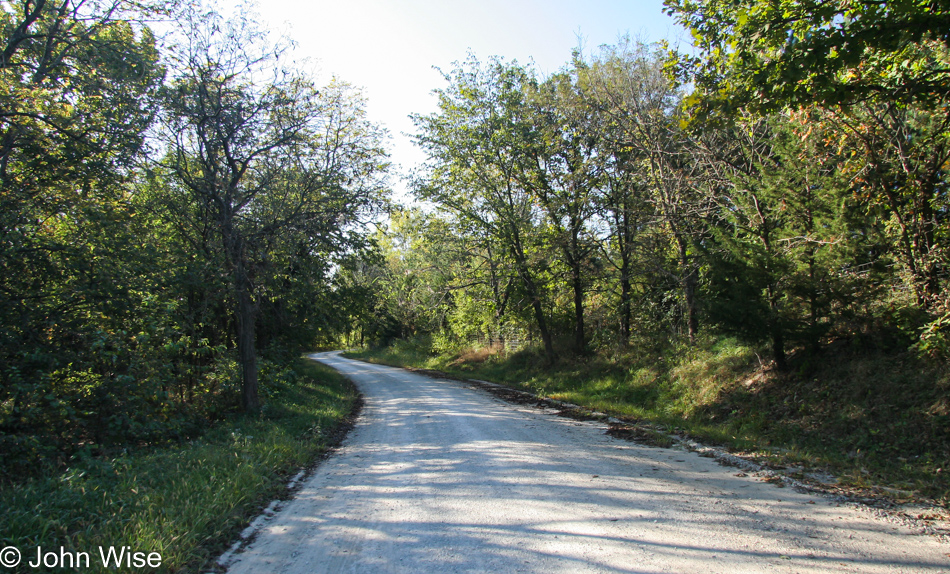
[437, 476]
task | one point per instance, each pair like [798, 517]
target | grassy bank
[186, 502]
[877, 421]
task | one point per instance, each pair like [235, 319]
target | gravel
[440, 476]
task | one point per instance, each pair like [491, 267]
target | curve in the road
[440, 477]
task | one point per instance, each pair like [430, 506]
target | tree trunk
[580, 344]
[692, 315]
[814, 335]
[245, 311]
[778, 347]
[535, 296]
[625, 310]
[247, 352]
[777, 331]
[689, 291]
[543, 328]
[574, 256]
[525, 273]
[623, 243]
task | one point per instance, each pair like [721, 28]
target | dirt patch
[641, 434]
[475, 356]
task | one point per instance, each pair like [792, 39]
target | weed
[871, 416]
[185, 502]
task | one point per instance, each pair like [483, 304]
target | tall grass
[185, 502]
[874, 418]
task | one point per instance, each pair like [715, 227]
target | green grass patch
[872, 418]
[185, 502]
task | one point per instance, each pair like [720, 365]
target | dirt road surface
[437, 476]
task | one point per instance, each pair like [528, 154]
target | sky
[389, 48]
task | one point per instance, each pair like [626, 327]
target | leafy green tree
[877, 71]
[626, 84]
[476, 144]
[77, 81]
[268, 158]
[898, 161]
[786, 233]
[625, 204]
[766, 55]
[564, 169]
[417, 268]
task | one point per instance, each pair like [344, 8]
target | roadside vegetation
[878, 421]
[747, 239]
[185, 501]
[172, 210]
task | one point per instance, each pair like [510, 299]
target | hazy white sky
[389, 47]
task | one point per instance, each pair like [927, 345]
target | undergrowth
[874, 418]
[185, 502]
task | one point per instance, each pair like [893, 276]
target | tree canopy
[173, 216]
[765, 55]
[180, 217]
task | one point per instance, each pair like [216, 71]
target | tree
[873, 76]
[268, 159]
[625, 204]
[77, 81]
[788, 233]
[764, 55]
[564, 169]
[626, 84]
[476, 144]
[899, 156]
[414, 283]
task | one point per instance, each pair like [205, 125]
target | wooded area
[744, 241]
[785, 183]
[182, 213]
[173, 210]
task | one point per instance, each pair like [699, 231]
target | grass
[877, 420]
[186, 502]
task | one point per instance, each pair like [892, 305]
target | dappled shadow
[876, 408]
[436, 477]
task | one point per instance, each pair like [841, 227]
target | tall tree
[265, 154]
[476, 144]
[627, 84]
[564, 169]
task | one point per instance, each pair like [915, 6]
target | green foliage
[117, 287]
[868, 84]
[277, 169]
[787, 234]
[480, 173]
[76, 93]
[591, 214]
[764, 56]
[934, 340]
[187, 501]
[873, 418]
[591, 198]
